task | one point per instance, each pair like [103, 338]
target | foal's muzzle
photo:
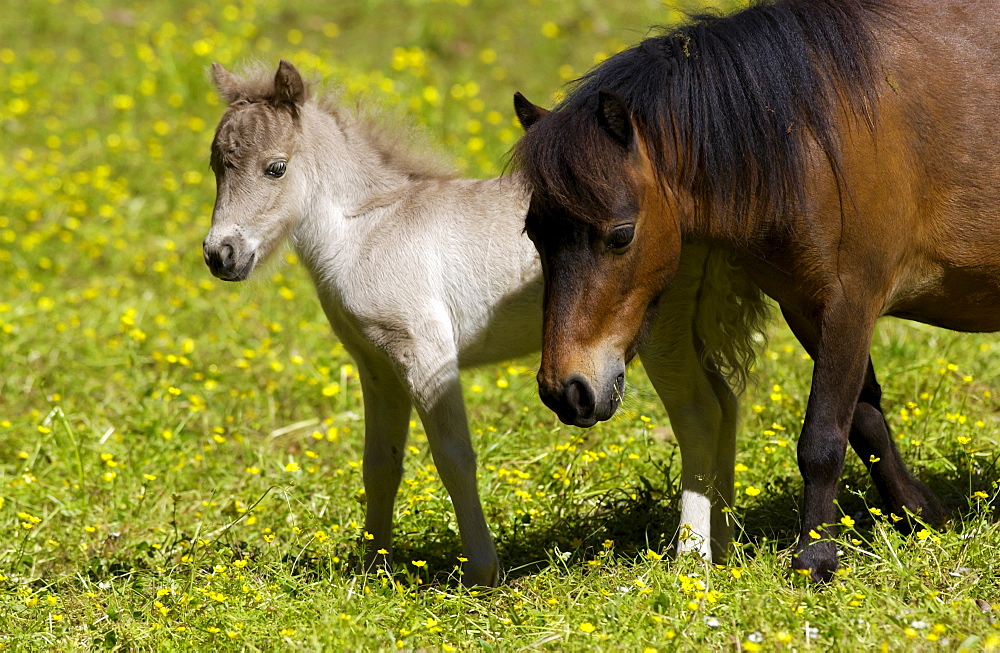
[576, 402]
[224, 259]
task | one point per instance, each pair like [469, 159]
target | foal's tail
[730, 318]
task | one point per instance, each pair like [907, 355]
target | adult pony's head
[258, 187]
[606, 252]
[703, 133]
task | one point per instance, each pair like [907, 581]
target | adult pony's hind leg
[387, 417]
[702, 413]
[725, 467]
[871, 440]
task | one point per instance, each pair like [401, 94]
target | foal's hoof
[817, 560]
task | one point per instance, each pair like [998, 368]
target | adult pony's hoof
[924, 507]
[483, 575]
[819, 559]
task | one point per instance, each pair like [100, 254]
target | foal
[420, 274]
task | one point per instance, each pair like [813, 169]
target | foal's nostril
[226, 254]
[221, 258]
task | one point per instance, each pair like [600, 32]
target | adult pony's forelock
[568, 160]
[727, 107]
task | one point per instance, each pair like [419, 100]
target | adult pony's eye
[275, 169]
[621, 237]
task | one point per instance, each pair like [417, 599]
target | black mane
[724, 105]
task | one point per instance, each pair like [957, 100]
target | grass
[180, 458]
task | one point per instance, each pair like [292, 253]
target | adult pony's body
[847, 151]
[420, 273]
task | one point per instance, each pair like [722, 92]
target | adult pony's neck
[730, 109]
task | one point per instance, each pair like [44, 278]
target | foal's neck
[349, 173]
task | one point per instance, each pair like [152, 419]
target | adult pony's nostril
[580, 397]
[618, 391]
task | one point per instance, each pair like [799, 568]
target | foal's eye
[275, 169]
[621, 237]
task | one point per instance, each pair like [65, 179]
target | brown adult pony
[847, 151]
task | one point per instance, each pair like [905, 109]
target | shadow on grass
[646, 517]
[635, 519]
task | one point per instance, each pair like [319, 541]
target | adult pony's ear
[527, 112]
[289, 89]
[226, 84]
[613, 117]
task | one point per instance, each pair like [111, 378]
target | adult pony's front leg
[437, 393]
[871, 441]
[840, 359]
[387, 417]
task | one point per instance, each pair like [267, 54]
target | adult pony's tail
[730, 318]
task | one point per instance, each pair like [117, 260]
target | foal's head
[609, 241]
[258, 188]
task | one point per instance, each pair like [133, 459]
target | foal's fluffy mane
[401, 145]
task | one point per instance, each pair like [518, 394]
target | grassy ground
[180, 458]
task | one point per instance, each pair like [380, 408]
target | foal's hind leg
[704, 420]
[387, 417]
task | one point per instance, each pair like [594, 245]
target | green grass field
[180, 457]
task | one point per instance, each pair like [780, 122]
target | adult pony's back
[845, 150]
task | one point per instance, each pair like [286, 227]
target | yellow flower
[292, 467]
[847, 521]
[588, 627]
[419, 563]
[752, 491]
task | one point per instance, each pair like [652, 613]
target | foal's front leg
[871, 441]
[387, 418]
[432, 375]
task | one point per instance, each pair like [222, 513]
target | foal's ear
[227, 84]
[288, 85]
[527, 112]
[613, 117]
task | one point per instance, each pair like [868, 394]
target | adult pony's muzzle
[577, 403]
[226, 260]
